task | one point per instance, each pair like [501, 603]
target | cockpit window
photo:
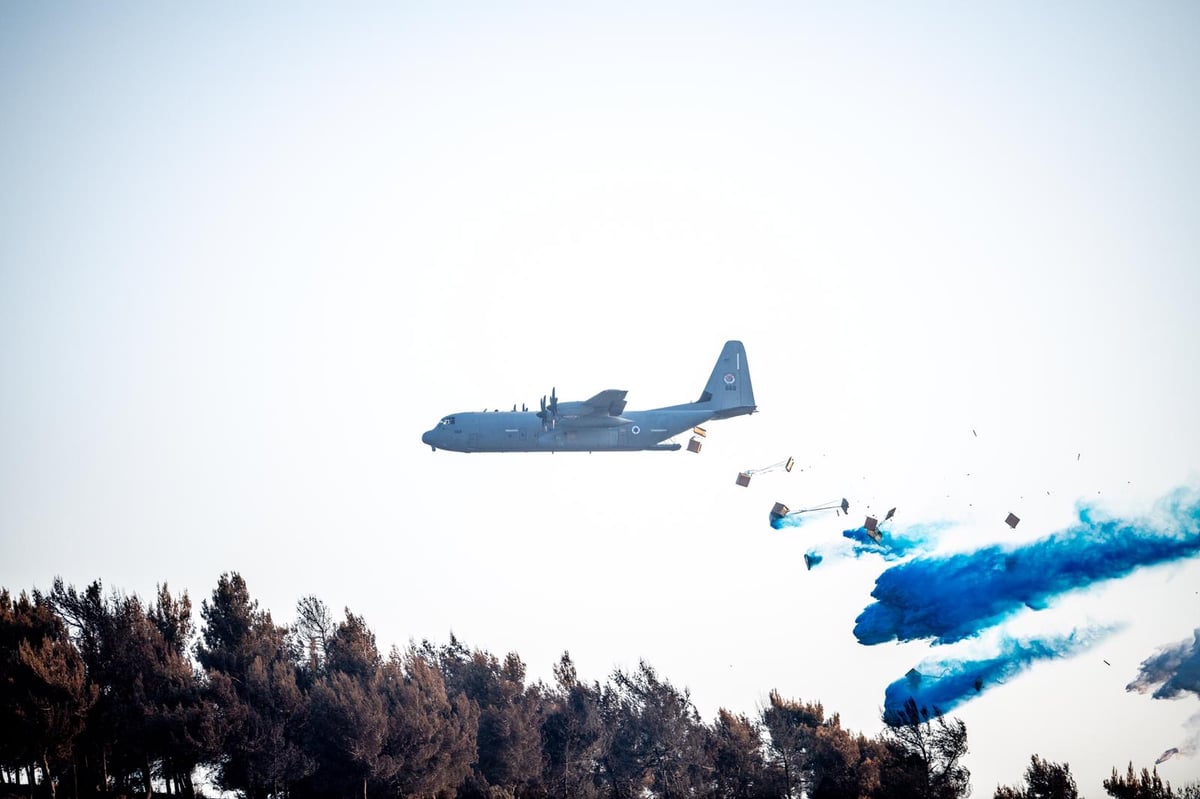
[447, 421]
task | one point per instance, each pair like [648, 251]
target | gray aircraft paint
[601, 424]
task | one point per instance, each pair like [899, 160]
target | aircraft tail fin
[729, 391]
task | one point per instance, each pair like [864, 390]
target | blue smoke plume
[946, 684]
[790, 520]
[949, 598]
[1174, 669]
[912, 540]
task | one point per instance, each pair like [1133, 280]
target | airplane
[601, 423]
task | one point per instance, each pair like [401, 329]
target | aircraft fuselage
[601, 422]
[507, 431]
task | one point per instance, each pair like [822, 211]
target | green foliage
[351, 649]
[150, 720]
[653, 736]
[310, 637]
[252, 678]
[791, 725]
[926, 753]
[509, 736]
[1146, 785]
[104, 687]
[1043, 780]
[816, 754]
[571, 733]
[1189, 790]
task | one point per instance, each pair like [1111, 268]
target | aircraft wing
[610, 401]
[602, 410]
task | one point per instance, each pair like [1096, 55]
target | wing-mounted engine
[602, 410]
[549, 412]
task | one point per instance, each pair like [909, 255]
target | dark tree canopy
[926, 754]
[1043, 780]
[104, 695]
[1146, 785]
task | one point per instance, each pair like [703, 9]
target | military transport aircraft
[600, 424]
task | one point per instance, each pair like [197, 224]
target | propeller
[549, 413]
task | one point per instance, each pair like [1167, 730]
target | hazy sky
[248, 254]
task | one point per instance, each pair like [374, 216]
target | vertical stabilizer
[728, 390]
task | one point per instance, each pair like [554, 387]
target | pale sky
[249, 254]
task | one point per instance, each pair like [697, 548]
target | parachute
[743, 478]
[843, 506]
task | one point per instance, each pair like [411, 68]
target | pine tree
[44, 693]
[1043, 780]
[926, 753]
[571, 732]
[252, 678]
[736, 754]
[653, 736]
[431, 735]
[792, 726]
[1147, 785]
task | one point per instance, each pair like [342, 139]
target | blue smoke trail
[953, 597]
[790, 520]
[1174, 669]
[911, 540]
[890, 546]
[948, 683]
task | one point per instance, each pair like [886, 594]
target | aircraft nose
[427, 438]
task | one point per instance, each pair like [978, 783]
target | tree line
[104, 695]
